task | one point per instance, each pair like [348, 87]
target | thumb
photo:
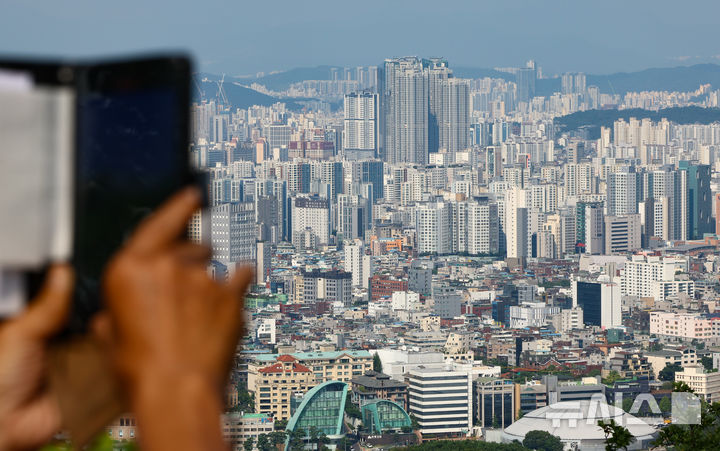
[48, 312]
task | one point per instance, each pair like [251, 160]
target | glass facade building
[382, 415]
[322, 407]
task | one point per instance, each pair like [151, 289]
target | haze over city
[248, 37]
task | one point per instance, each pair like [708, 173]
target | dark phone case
[84, 77]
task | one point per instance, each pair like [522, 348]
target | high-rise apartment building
[434, 228]
[405, 111]
[233, 233]
[360, 133]
[449, 108]
[357, 263]
[622, 192]
[311, 214]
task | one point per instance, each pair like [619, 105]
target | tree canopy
[542, 441]
[668, 373]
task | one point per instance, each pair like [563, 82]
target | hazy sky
[243, 37]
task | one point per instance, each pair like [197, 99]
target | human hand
[170, 320]
[29, 414]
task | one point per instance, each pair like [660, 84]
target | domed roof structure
[575, 424]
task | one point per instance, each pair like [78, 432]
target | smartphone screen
[132, 144]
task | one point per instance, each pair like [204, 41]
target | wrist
[161, 388]
[181, 410]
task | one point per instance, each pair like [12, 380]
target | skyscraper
[405, 111]
[449, 121]
[622, 192]
[360, 132]
[233, 233]
[699, 199]
[525, 79]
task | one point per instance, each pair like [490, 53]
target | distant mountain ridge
[592, 120]
[680, 78]
[238, 96]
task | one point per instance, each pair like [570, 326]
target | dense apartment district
[435, 260]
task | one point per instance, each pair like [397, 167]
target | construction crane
[222, 98]
[201, 91]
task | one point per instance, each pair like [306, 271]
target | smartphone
[131, 135]
[132, 155]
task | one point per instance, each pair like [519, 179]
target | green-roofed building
[257, 301]
[382, 415]
[323, 407]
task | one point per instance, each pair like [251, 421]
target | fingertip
[61, 277]
[47, 314]
[191, 194]
[101, 328]
[242, 279]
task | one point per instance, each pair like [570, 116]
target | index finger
[166, 224]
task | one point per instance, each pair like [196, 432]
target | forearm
[178, 413]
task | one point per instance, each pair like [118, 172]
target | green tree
[322, 441]
[665, 405]
[682, 387]
[612, 377]
[263, 443]
[278, 437]
[297, 440]
[377, 363]
[495, 422]
[280, 425]
[249, 444]
[351, 409]
[617, 437]
[314, 434]
[707, 362]
[246, 401]
[704, 435]
[414, 422]
[668, 373]
[542, 441]
[406, 429]
[627, 404]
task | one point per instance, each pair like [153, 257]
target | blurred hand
[169, 319]
[29, 414]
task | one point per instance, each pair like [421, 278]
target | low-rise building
[660, 359]
[629, 364]
[275, 385]
[373, 385]
[123, 428]
[494, 402]
[238, 427]
[328, 365]
[684, 326]
[701, 382]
